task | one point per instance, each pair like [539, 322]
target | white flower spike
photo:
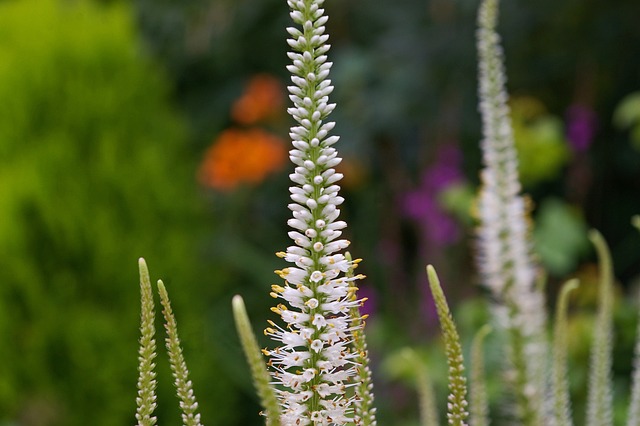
[315, 365]
[505, 258]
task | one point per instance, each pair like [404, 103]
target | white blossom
[504, 246]
[314, 363]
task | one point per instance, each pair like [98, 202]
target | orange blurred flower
[262, 98]
[354, 171]
[241, 156]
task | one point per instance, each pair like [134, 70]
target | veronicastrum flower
[504, 246]
[315, 364]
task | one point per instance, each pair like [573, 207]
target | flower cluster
[315, 363]
[504, 247]
[241, 156]
[262, 99]
[247, 155]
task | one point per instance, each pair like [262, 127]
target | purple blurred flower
[421, 204]
[370, 305]
[581, 126]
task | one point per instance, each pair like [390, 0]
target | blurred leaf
[560, 236]
[542, 147]
[458, 199]
[627, 115]
[95, 172]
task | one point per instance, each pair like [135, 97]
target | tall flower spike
[314, 364]
[504, 248]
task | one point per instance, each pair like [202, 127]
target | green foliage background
[95, 171]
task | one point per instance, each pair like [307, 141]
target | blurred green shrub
[539, 137]
[94, 173]
[560, 237]
[627, 116]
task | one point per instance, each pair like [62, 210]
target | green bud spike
[261, 377]
[146, 400]
[457, 403]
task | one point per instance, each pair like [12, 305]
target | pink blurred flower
[581, 126]
[421, 204]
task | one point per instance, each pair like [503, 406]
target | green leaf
[559, 236]
[627, 113]
[627, 116]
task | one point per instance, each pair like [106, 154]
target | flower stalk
[316, 362]
[261, 377]
[184, 387]
[364, 411]
[600, 395]
[477, 388]
[457, 399]
[633, 418]
[146, 400]
[505, 259]
[560, 375]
